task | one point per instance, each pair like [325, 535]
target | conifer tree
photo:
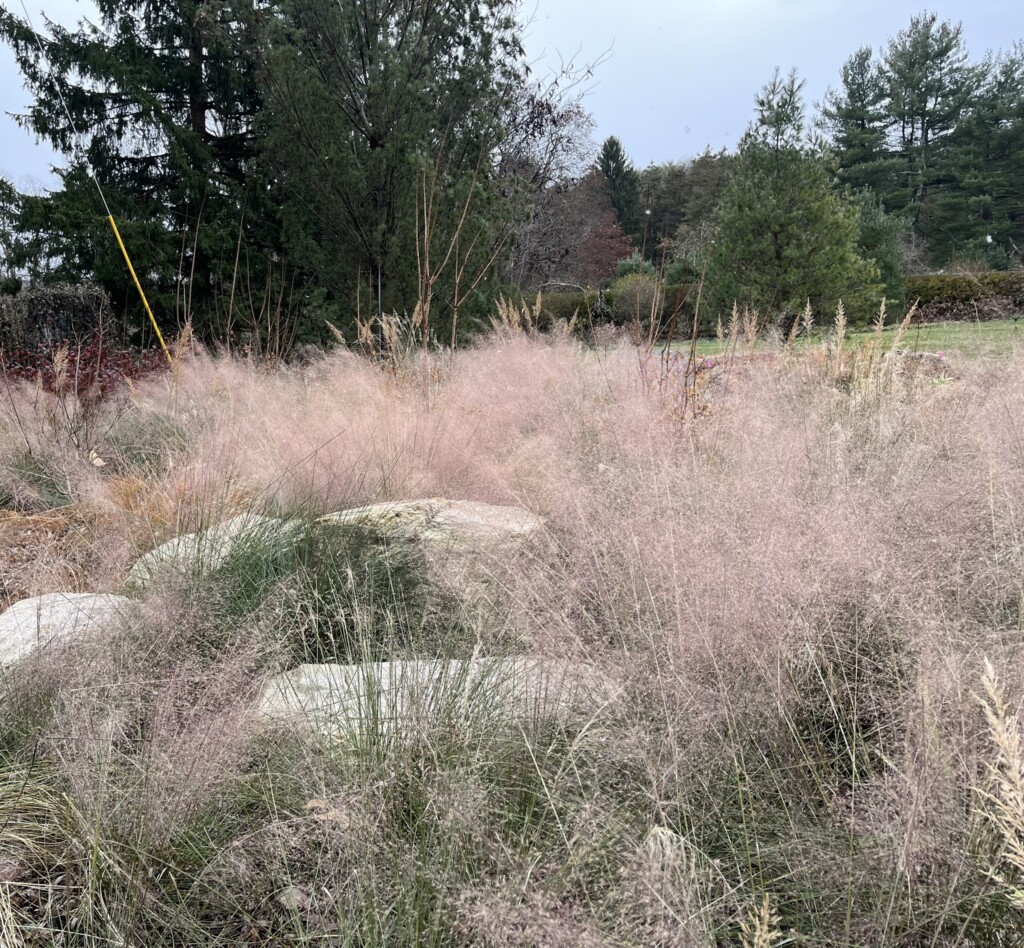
[163, 102]
[624, 183]
[384, 121]
[785, 235]
[857, 121]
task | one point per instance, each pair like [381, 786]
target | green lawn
[994, 338]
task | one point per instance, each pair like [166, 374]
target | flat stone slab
[35, 624]
[388, 697]
[203, 551]
[461, 522]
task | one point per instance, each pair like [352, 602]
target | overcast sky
[679, 75]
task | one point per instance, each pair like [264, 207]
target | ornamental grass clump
[790, 594]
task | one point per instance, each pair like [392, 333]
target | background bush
[951, 296]
[49, 315]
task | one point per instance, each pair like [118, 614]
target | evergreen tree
[980, 215]
[624, 182]
[663, 188]
[929, 84]
[165, 98]
[937, 138]
[681, 197]
[857, 121]
[389, 121]
[785, 236]
[706, 176]
[881, 239]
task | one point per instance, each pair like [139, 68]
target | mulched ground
[44, 552]
[92, 368]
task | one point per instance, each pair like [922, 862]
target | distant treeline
[279, 168]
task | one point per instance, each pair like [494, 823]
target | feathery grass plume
[418, 319]
[839, 327]
[760, 928]
[808, 320]
[1002, 800]
[61, 359]
[181, 346]
[364, 332]
[904, 327]
[391, 330]
[837, 362]
[516, 318]
[337, 334]
[184, 343]
[734, 323]
[878, 324]
[719, 329]
[872, 350]
[751, 324]
[794, 330]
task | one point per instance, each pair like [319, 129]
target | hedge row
[940, 297]
[598, 307]
[965, 287]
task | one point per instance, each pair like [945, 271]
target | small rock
[293, 899]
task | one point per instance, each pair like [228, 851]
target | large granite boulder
[462, 523]
[386, 698]
[460, 532]
[465, 543]
[55, 619]
[206, 550]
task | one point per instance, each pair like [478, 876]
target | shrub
[966, 295]
[965, 287]
[45, 316]
[636, 299]
[634, 265]
[595, 308]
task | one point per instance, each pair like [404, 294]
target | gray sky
[681, 74]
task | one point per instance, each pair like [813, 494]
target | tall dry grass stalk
[1002, 799]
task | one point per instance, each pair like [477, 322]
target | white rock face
[204, 551]
[449, 524]
[460, 522]
[35, 624]
[385, 698]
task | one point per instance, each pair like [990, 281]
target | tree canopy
[163, 101]
[311, 162]
[937, 137]
[354, 154]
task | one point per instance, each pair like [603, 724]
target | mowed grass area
[988, 339]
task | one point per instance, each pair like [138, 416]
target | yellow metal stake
[138, 286]
[103, 197]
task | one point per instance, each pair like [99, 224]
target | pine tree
[165, 99]
[857, 121]
[785, 236]
[979, 215]
[929, 84]
[624, 182]
[937, 138]
[382, 117]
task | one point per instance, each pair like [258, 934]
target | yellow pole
[138, 286]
